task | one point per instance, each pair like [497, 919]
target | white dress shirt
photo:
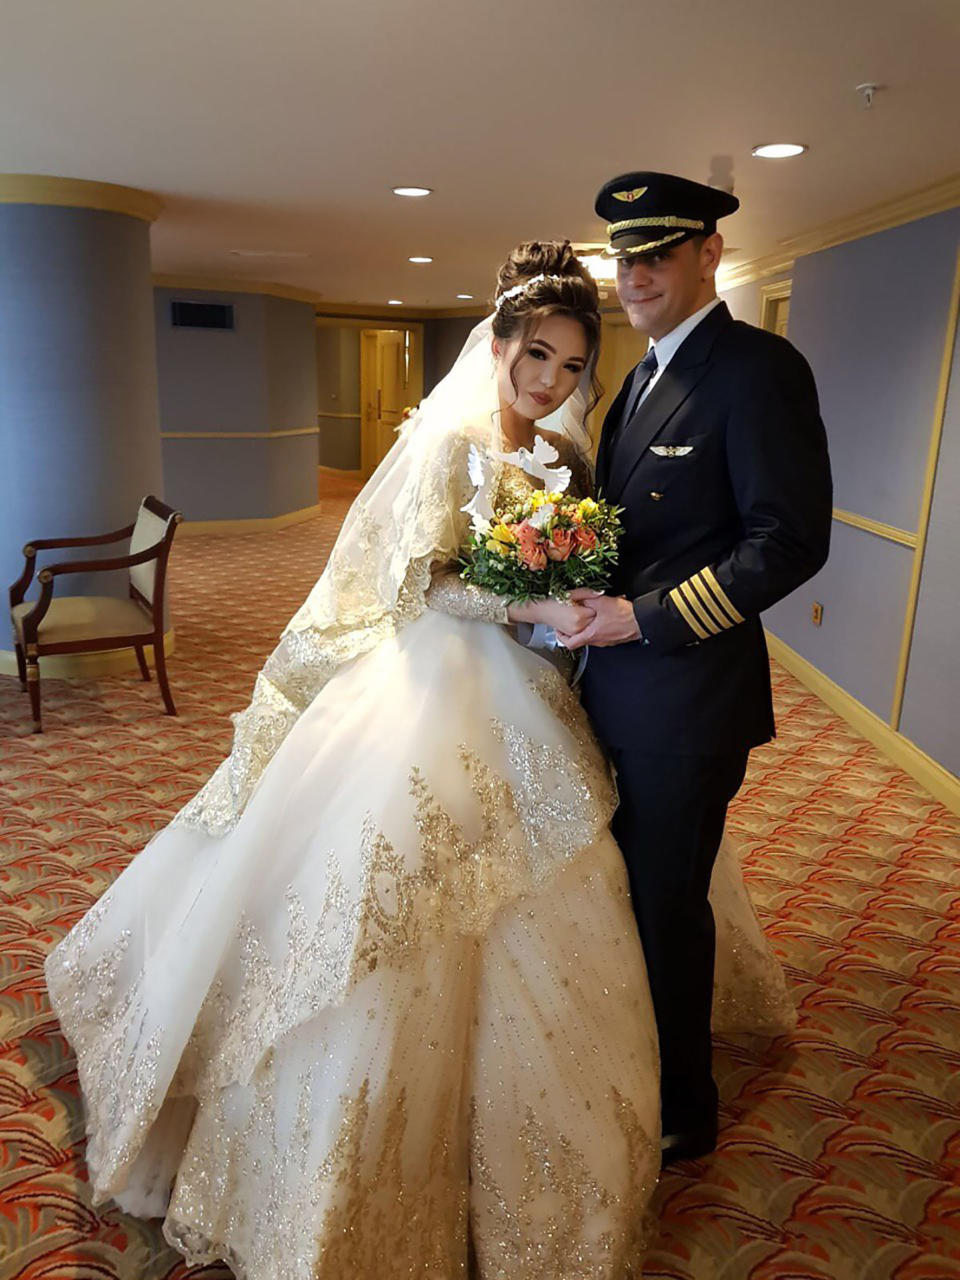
[667, 346]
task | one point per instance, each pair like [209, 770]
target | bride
[374, 1004]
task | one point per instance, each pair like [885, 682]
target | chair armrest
[19, 588]
[45, 577]
[97, 539]
[51, 571]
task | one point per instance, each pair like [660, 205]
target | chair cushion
[85, 618]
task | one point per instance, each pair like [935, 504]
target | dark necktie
[641, 377]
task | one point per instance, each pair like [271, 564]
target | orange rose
[586, 538]
[561, 544]
[533, 555]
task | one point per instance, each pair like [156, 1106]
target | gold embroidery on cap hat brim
[664, 220]
[637, 250]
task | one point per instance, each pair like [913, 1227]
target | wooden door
[391, 380]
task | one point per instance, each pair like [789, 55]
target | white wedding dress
[374, 1004]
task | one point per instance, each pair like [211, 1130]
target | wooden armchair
[90, 624]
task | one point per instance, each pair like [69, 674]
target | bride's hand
[567, 617]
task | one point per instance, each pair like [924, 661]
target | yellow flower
[493, 545]
[553, 497]
[587, 508]
[538, 499]
[502, 533]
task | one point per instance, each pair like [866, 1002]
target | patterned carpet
[840, 1148]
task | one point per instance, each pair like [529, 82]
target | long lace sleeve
[448, 593]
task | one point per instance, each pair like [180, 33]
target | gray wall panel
[291, 365]
[442, 340]
[863, 588]
[240, 479]
[931, 708]
[213, 379]
[340, 443]
[338, 392]
[870, 316]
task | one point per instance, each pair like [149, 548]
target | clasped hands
[585, 617]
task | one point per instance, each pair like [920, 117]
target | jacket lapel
[671, 389]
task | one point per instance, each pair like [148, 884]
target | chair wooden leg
[21, 664]
[33, 684]
[144, 669]
[161, 663]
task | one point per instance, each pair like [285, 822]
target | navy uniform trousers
[724, 480]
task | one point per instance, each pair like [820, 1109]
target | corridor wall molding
[926, 502]
[880, 217]
[888, 531]
[79, 193]
[904, 753]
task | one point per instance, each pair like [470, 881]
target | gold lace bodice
[449, 593]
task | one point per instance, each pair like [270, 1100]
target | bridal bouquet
[544, 545]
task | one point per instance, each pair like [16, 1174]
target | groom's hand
[614, 621]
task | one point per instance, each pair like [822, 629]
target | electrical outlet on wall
[816, 613]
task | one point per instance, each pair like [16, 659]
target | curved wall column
[79, 422]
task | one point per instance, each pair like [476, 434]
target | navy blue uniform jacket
[724, 478]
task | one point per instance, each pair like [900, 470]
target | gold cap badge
[628, 197]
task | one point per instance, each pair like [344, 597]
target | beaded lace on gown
[389, 1009]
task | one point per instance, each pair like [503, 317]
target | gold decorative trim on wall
[881, 217]
[888, 531]
[322, 413]
[239, 435]
[90, 666]
[940, 782]
[257, 524]
[926, 502]
[78, 193]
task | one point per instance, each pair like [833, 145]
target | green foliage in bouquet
[545, 546]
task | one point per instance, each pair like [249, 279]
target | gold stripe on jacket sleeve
[708, 603]
[721, 595]
[694, 602]
[687, 616]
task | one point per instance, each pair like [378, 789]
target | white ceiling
[283, 125]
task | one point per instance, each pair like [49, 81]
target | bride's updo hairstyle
[523, 299]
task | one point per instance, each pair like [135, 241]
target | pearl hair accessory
[522, 288]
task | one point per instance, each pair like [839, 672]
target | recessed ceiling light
[420, 260]
[394, 302]
[779, 150]
[465, 297]
[413, 192]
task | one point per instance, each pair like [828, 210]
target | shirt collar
[667, 346]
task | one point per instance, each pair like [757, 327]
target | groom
[715, 450]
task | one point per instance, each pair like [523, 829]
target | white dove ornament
[482, 471]
[534, 464]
